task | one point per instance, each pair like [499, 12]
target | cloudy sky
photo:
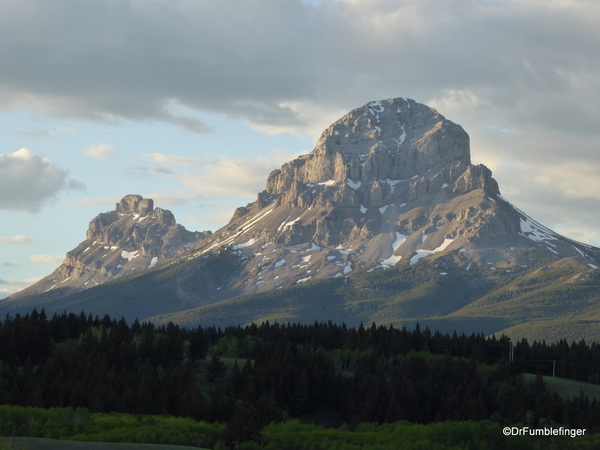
[193, 103]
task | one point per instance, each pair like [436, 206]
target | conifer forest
[243, 387]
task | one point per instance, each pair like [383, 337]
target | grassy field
[27, 443]
[568, 389]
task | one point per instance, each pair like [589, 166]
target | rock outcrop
[132, 237]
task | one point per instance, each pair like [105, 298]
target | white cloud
[20, 239]
[27, 181]
[172, 160]
[102, 151]
[46, 259]
[285, 66]
[234, 177]
[9, 286]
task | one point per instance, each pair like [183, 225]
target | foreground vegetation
[97, 431]
[90, 379]
[31, 443]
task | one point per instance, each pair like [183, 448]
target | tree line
[277, 371]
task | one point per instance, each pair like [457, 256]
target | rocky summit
[387, 212]
[133, 237]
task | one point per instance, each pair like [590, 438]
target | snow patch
[303, 280]
[363, 209]
[245, 244]
[400, 238]
[377, 106]
[377, 267]
[391, 261]
[256, 219]
[286, 224]
[327, 183]
[280, 263]
[352, 184]
[423, 253]
[153, 262]
[536, 232]
[383, 208]
[444, 245]
[419, 255]
[313, 246]
[129, 255]
[402, 137]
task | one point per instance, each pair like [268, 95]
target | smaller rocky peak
[163, 217]
[135, 204]
[476, 177]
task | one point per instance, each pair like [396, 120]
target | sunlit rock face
[132, 237]
[390, 181]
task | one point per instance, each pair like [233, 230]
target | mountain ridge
[387, 185]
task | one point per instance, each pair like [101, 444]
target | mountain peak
[389, 181]
[132, 237]
[132, 204]
[394, 139]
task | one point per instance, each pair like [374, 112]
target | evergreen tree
[216, 369]
[244, 426]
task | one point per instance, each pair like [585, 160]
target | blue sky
[193, 103]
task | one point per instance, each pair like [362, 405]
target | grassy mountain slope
[538, 303]
[550, 302]
[146, 293]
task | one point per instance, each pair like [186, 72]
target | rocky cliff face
[389, 181]
[132, 237]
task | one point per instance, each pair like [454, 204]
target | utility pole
[553, 368]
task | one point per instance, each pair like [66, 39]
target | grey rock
[133, 237]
